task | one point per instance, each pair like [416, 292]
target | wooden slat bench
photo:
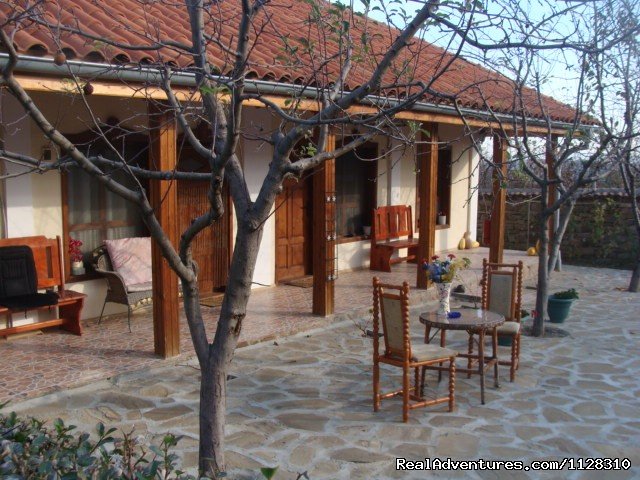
[392, 230]
[48, 261]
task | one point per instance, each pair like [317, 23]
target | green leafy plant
[31, 449]
[570, 294]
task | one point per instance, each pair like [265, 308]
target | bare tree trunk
[213, 395]
[543, 275]
[634, 284]
[216, 366]
[560, 230]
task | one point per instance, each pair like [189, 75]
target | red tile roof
[145, 22]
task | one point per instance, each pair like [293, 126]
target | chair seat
[139, 287]
[426, 352]
[509, 328]
[33, 300]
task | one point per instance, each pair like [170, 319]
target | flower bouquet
[442, 273]
[77, 266]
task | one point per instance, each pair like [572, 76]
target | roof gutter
[183, 78]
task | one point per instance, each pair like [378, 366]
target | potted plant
[77, 265]
[559, 304]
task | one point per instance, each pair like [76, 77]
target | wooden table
[474, 322]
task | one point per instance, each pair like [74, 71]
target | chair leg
[422, 378]
[470, 351]
[518, 350]
[102, 311]
[452, 383]
[376, 385]
[514, 348]
[416, 387]
[129, 317]
[405, 395]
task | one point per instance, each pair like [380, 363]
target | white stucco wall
[255, 156]
[34, 202]
[19, 197]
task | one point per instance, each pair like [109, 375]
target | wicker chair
[502, 293]
[116, 288]
[391, 306]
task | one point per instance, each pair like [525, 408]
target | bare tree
[347, 60]
[619, 80]
[562, 162]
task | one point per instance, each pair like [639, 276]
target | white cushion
[140, 287]
[425, 352]
[509, 328]
[131, 258]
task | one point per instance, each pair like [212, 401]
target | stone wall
[600, 232]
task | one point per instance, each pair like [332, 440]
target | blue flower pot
[558, 308]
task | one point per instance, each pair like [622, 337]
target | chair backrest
[394, 221]
[100, 259]
[18, 275]
[502, 289]
[47, 257]
[391, 310]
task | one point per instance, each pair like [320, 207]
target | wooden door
[211, 247]
[293, 240]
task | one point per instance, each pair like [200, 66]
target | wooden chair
[391, 309]
[117, 291]
[502, 293]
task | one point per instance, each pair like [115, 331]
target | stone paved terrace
[304, 402]
[39, 364]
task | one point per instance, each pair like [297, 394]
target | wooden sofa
[48, 263]
[392, 230]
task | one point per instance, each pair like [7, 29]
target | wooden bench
[48, 261]
[392, 230]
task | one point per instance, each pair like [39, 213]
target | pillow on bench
[131, 258]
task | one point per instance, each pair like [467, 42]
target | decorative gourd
[462, 244]
[532, 252]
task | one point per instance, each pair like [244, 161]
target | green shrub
[31, 449]
[570, 294]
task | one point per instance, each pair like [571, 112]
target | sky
[554, 65]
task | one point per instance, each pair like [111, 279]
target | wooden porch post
[324, 234]
[496, 248]
[164, 200]
[428, 190]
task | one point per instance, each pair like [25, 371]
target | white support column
[395, 174]
[472, 206]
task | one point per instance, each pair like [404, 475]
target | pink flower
[435, 257]
[451, 256]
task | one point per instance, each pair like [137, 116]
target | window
[91, 212]
[356, 174]
[443, 199]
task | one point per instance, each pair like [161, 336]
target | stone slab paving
[304, 402]
[55, 360]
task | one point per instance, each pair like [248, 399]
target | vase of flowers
[442, 273]
[77, 265]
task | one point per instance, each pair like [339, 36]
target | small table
[474, 322]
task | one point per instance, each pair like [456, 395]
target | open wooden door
[293, 230]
